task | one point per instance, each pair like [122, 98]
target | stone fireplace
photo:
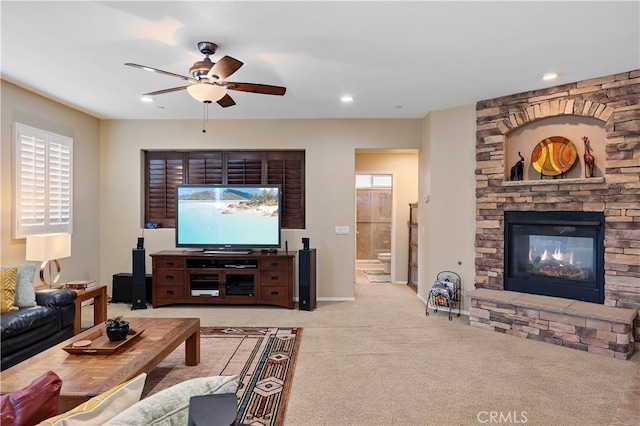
[502, 301]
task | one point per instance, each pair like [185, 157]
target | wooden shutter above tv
[287, 170]
[205, 167]
[244, 168]
[166, 169]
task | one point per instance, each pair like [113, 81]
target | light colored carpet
[380, 361]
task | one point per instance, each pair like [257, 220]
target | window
[374, 181]
[166, 169]
[42, 182]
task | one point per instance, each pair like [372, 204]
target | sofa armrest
[55, 298]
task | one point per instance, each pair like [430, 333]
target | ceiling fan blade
[170, 74]
[161, 92]
[224, 68]
[226, 101]
[264, 89]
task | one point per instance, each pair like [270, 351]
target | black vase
[116, 333]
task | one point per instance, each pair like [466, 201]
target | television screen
[227, 217]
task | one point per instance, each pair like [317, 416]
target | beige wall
[107, 184]
[447, 175]
[404, 168]
[22, 106]
[330, 197]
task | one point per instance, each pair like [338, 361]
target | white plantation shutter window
[43, 164]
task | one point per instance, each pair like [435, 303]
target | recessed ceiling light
[549, 75]
[147, 99]
[346, 98]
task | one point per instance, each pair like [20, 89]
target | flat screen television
[228, 218]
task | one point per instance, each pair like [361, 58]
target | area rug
[263, 357]
[379, 278]
[375, 272]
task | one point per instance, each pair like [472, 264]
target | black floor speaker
[138, 280]
[307, 279]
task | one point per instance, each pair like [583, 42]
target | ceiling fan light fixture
[204, 92]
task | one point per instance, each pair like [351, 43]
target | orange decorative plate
[554, 156]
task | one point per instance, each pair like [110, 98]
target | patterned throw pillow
[25, 289]
[8, 289]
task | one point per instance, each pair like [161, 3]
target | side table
[99, 296]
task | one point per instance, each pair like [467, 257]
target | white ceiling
[397, 59]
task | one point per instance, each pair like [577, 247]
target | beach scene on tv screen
[221, 216]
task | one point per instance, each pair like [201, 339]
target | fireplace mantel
[541, 182]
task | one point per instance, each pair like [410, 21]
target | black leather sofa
[28, 331]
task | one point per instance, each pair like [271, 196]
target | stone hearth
[579, 325]
[613, 101]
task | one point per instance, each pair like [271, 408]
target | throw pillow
[8, 289]
[103, 407]
[34, 403]
[25, 287]
[171, 406]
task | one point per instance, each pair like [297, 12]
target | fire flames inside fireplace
[555, 254]
[568, 258]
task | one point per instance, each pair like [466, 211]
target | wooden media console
[199, 278]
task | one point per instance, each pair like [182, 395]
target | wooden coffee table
[84, 376]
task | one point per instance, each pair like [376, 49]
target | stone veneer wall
[615, 100]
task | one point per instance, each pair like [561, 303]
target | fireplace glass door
[555, 254]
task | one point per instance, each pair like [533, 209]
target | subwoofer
[307, 279]
[122, 287]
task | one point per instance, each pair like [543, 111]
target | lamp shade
[45, 247]
[207, 92]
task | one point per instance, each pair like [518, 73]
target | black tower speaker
[138, 279]
[307, 279]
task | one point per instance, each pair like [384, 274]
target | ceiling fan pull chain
[205, 115]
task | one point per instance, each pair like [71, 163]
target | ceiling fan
[207, 81]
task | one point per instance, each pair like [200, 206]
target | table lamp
[48, 248]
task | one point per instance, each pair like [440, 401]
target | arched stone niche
[526, 137]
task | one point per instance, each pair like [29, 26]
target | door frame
[393, 216]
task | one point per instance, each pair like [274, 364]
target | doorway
[374, 221]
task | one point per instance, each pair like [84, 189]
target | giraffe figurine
[589, 160]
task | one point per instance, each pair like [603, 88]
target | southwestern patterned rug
[264, 357]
